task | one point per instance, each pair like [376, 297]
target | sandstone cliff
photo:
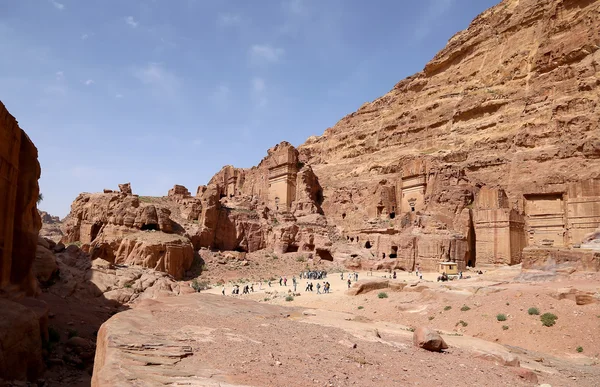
[491, 149]
[22, 320]
[511, 103]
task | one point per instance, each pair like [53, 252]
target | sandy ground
[443, 307]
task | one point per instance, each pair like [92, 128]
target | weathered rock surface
[428, 339]
[365, 286]
[51, 226]
[491, 148]
[21, 321]
[204, 339]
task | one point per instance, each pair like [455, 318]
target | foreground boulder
[429, 339]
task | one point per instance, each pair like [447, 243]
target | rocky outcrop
[90, 213]
[51, 226]
[21, 319]
[510, 104]
[124, 229]
[19, 219]
[84, 278]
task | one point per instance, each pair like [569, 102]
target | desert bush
[382, 295]
[505, 327]
[533, 311]
[463, 323]
[580, 349]
[361, 307]
[300, 259]
[501, 317]
[431, 318]
[289, 298]
[200, 285]
[548, 319]
[465, 308]
[447, 307]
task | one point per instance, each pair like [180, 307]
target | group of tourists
[351, 276]
[326, 287]
[313, 275]
[236, 289]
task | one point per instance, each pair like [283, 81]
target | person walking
[294, 283]
[223, 290]
[349, 283]
[318, 288]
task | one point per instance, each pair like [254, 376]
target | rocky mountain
[490, 152]
[493, 147]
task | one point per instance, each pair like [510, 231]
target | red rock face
[512, 104]
[20, 221]
[21, 322]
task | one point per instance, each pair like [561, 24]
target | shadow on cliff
[80, 299]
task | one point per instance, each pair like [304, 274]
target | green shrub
[533, 311]
[266, 299]
[580, 349]
[300, 259]
[431, 318]
[361, 307]
[200, 285]
[463, 323]
[505, 327]
[289, 298]
[548, 319]
[501, 317]
[447, 307]
[465, 308]
[382, 295]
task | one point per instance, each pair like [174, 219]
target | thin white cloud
[89, 82]
[161, 81]
[60, 75]
[229, 19]
[258, 85]
[259, 88]
[131, 22]
[84, 36]
[266, 53]
[57, 5]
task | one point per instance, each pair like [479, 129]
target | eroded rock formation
[491, 148]
[22, 319]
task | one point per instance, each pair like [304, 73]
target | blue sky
[164, 92]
